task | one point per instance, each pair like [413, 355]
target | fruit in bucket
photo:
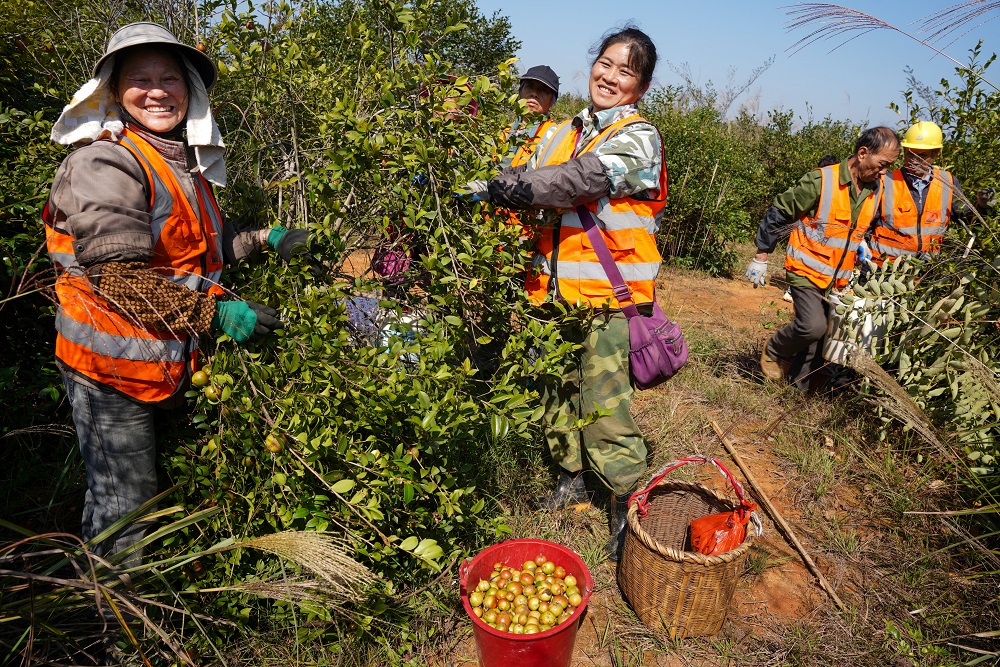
[533, 599]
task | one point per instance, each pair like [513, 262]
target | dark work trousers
[118, 446]
[800, 344]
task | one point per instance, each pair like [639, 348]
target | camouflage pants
[597, 377]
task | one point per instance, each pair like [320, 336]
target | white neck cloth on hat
[92, 115]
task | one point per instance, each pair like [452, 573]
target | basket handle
[641, 498]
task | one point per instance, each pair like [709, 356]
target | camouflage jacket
[626, 165]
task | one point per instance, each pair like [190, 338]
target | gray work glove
[757, 273]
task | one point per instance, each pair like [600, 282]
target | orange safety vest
[521, 156]
[905, 231]
[627, 225]
[824, 247]
[525, 150]
[98, 341]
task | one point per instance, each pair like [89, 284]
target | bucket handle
[641, 497]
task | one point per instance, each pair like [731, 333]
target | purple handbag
[656, 347]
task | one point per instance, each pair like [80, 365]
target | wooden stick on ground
[786, 530]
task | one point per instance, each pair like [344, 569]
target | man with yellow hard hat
[919, 199]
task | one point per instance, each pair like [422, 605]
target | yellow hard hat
[924, 136]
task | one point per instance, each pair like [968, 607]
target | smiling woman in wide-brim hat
[138, 242]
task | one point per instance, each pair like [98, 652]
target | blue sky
[856, 81]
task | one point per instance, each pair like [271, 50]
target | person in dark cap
[539, 89]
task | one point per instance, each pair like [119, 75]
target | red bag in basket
[718, 533]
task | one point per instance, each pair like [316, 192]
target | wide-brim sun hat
[151, 34]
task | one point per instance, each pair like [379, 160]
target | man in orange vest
[919, 199]
[138, 243]
[828, 213]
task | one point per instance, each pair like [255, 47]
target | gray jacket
[100, 197]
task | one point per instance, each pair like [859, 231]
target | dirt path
[721, 306]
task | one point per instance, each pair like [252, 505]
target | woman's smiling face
[612, 82]
[152, 89]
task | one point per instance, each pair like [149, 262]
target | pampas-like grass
[322, 554]
[835, 22]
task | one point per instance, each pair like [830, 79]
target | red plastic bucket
[552, 648]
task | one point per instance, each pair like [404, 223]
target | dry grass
[841, 25]
[900, 404]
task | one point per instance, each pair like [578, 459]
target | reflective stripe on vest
[819, 266]
[525, 150]
[548, 151]
[823, 248]
[210, 281]
[628, 226]
[58, 243]
[903, 230]
[121, 347]
[93, 337]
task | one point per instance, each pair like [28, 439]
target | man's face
[537, 96]
[918, 162]
[872, 166]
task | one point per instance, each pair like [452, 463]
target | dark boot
[569, 491]
[617, 520]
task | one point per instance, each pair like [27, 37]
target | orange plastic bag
[718, 533]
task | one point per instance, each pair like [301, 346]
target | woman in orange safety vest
[138, 243]
[609, 159]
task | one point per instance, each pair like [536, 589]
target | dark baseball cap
[544, 74]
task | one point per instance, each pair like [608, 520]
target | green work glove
[287, 242]
[245, 320]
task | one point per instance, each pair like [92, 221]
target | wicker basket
[674, 591]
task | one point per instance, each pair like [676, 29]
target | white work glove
[478, 190]
[864, 253]
[757, 273]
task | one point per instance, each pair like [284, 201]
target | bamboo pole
[779, 520]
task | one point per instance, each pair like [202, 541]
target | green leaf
[501, 426]
[343, 486]
[429, 549]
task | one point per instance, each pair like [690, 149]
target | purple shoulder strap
[620, 289]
